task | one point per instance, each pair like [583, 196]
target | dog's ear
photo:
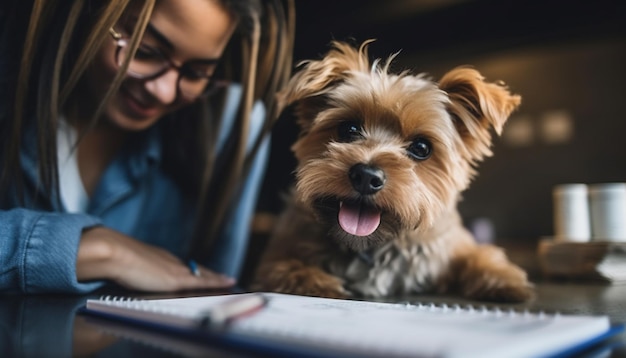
[314, 78]
[477, 107]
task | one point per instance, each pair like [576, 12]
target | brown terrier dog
[382, 160]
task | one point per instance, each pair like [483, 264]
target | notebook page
[381, 329]
[179, 312]
[408, 330]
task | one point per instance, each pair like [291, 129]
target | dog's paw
[489, 276]
[295, 277]
[499, 290]
[502, 284]
[322, 285]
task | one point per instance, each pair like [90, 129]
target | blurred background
[567, 59]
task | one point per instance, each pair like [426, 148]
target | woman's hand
[105, 254]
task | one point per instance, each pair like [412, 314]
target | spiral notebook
[292, 325]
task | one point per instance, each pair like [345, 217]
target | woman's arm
[72, 253]
[107, 254]
[38, 251]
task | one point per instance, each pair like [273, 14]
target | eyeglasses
[194, 80]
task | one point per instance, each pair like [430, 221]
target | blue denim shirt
[38, 248]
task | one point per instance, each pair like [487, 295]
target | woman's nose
[165, 87]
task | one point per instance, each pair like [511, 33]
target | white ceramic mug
[607, 205]
[571, 213]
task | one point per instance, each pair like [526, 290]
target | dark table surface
[49, 325]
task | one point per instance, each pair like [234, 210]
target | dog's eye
[349, 131]
[420, 149]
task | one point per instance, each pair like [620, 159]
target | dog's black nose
[366, 179]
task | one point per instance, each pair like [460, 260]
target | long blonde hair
[61, 38]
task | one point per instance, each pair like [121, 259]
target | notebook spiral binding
[481, 309]
[141, 304]
[109, 298]
[429, 306]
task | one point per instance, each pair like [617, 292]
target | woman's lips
[137, 108]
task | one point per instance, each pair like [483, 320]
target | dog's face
[382, 153]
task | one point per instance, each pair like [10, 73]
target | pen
[232, 309]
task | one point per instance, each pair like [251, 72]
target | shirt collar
[144, 151]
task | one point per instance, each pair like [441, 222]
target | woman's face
[191, 32]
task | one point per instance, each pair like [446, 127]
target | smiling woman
[168, 70]
[116, 116]
[194, 77]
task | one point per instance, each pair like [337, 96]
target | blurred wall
[569, 128]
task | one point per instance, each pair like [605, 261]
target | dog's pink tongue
[358, 219]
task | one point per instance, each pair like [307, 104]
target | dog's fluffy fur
[382, 160]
